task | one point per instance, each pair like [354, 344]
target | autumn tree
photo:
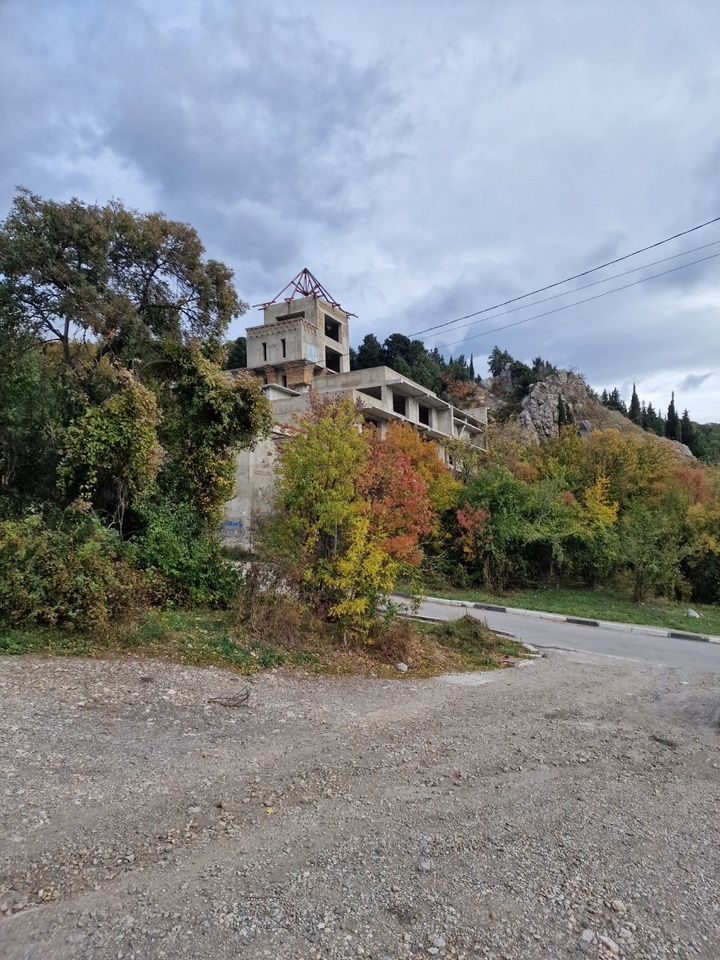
[350, 511]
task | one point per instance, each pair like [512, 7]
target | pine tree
[604, 399]
[616, 402]
[472, 368]
[634, 412]
[687, 434]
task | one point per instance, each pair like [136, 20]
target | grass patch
[198, 638]
[212, 638]
[477, 647]
[604, 604]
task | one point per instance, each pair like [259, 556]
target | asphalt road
[634, 647]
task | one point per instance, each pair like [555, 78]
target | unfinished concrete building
[303, 345]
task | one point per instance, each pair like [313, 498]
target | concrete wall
[254, 484]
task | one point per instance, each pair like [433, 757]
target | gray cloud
[694, 380]
[425, 161]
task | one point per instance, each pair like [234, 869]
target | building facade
[303, 346]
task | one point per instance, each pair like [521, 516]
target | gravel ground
[565, 809]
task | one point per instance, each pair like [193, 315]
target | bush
[178, 546]
[68, 571]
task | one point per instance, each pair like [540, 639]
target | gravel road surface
[568, 808]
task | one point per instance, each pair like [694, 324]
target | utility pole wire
[594, 283]
[576, 276]
[577, 303]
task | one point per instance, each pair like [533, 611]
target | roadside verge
[560, 618]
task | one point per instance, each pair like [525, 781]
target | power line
[594, 283]
[577, 303]
[576, 276]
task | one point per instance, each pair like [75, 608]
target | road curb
[581, 621]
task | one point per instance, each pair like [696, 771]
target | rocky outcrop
[540, 413]
[540, 410]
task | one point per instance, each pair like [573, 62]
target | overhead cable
[576, 276]
[577, 303]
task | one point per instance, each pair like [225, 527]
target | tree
[471, 368]
[116, 323]
[687, 434]
[130, 319]
[350, 511]
[369, 353]
[498, 360]
[107, 281]
[634, 412]
[615, 401]
[236, 354]
[565, 414]
[672, 424]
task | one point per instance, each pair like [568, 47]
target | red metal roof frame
[305, 285]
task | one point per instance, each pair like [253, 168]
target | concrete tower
[304, 335]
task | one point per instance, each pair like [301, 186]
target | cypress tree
[472, 368]
[671, 424]
[634, 412]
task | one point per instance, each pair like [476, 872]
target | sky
[425, 161]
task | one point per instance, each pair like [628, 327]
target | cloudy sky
[424, 160]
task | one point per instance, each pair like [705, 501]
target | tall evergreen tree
[687, 433]
[472, 368]
[634, 413]
[616, 402]
[671, 423]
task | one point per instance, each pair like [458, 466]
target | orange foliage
[397, 498]
[695, 481]
[442, 488]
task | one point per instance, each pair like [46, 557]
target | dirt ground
[567, 808]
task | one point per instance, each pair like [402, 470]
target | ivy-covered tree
[120, 321]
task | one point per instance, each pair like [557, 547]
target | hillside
[538, 412]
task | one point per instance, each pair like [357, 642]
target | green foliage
[236, 354]
[649, 544]
[349, 512]
[70, 572]
[471, 637]
[322, 522]
[123, 281]
[498, 360]
[179, 547]
[208, 417]
[112, 453]
[112, 396]
[411, 359]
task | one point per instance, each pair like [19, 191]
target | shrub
[68, 571]
[178, 545]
